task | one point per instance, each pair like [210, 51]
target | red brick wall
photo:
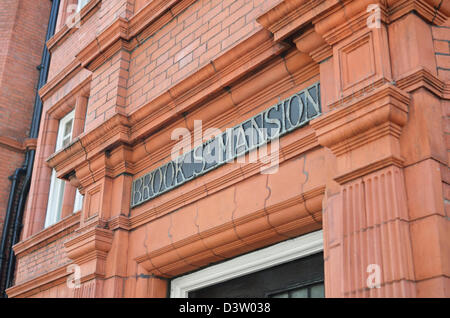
[42, 260]
[65, 52]
[202, 32]
[23, 25]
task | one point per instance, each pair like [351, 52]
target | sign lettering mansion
[287, 115]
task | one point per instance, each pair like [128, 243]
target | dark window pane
[279, 279]
[318, 291]
[299, 293]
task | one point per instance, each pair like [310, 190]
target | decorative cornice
[121, 34]
[311, 43]
[369, 168]
[434, 11]
[105, 45]
[30, 143]
[207, 81]
[421, 77]
[48, 235]
[336, 19]
[300, 73]
[12, 144]
[387, 103]
[155, 15]
[90, 244]
[215, 181]
[198, 87]
[127, 34]
[60, 79]
[66, 31]
[446, 93]
[120, 222]
[291, 15]
[38, 284]
[108, 135]
[366, 137]
[364, 133]
[195, 251]
[346, 19]
[62, 106]
[360, 93]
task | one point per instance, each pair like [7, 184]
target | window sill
[63, 33]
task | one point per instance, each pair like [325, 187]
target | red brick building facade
[362, 92]
[23, 25]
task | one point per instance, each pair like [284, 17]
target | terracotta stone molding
[38, 284]
[301, 70]
[375, 118]
[119, 162]
[67, 103]
[30, 143]
[335, 19]
[301, 214]
[346, 19]
[255, 51]
[124, 34]
[119, 222]
[434, 11]
[59, 80]
[48, 235]
[422, 77]
[310, 42]
[106, 44]
[65, 31]
[89, 250]
[112, 133]
[216, 181]
[446, 93]
[207, 81]
[154, 15]
[291, 15]
[11, 144]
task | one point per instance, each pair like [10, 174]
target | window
[81, 4]
[56, 194]
[293, 268]
[310, 291]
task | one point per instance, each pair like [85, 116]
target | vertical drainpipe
[27, 167]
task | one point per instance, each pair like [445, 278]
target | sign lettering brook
[289, 114]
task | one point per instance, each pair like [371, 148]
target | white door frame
[274, 255]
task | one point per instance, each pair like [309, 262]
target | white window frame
[56, 193]
[274, 255]
[81, 4]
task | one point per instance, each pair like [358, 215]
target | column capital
[364, 133]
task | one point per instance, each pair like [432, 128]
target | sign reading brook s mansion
[287, 115]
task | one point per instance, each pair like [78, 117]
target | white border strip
[249, 263]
